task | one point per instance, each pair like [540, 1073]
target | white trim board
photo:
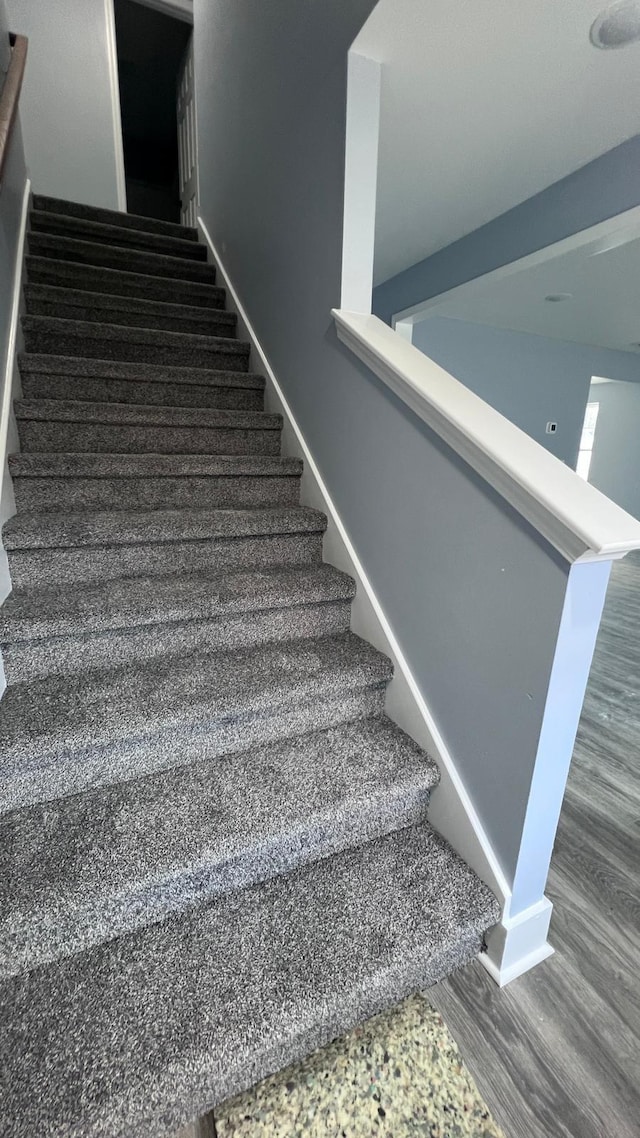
[118, 145]
[10, 391]
[364, 81]
[452, 812]
[608, 234]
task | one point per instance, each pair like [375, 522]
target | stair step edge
[143, 414]
[109, 301]
[46, 221]
[130, 334]
[85, 465]
[35, 363]
[106, 528]
[322, 948]
[32, 615]
[216, 826]
[77, 209]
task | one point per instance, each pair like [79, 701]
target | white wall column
[520, 940]
[361, 173]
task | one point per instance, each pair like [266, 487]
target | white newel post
[520, 941]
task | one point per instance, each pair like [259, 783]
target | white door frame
[116, 117]
[188, 171]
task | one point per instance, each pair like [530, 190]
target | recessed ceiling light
[556, 297]
[617, 26]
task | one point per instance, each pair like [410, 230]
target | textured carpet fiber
[398, 1076]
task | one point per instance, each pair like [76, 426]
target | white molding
[452, 812]
[10, 377]
[10, 389]
[518, 943]
[364, 78]
[584, 599]
[178, 9]
[607, 234]
[116, 118]
[404, 328]
[574, 517]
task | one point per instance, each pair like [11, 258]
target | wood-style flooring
[556, 1054]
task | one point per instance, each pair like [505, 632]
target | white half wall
[69, 105]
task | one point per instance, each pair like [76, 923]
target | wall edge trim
[116, 117]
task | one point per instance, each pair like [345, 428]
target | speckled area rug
[398, 1076]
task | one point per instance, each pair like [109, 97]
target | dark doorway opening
[151, 48]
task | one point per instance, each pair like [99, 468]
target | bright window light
[586, 440]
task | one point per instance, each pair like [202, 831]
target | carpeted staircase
[214, 853]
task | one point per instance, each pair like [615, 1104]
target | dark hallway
[151, 47]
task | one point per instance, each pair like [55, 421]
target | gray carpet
[214, 846]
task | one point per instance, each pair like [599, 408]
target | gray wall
[66, 100]
[615, 461]
[530, 379]
[11, 196]
[472, 594]
[601, 189]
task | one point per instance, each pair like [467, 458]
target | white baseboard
[11, 387]
[11, 391]
[452, 812]
[518, 943]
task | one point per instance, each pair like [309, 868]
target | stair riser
[60, 566]
[47, 386]
[64, 655]
[129, 260]
[216, 357]
[58, 934]
[75, 494]
[73, 773]
[67, 274]
[37, 435]
[84, 230]
[215, 323]
[113, 217]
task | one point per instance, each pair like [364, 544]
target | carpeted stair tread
[32, 614]
[95, 865]
[113, 217]
[146, 1032]
[34, 326]
[110, 528]
[112, 256]
[82, 426]
[85, 465]
[49, 334]
[85, 481]
[34, 363]
[83, 411]
[105, 308]
[60, 734]
[118, 281]
[120, 381]
[106, 233]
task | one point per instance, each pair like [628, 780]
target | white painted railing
[574, 517]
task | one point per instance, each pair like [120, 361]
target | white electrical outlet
[552, 428]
